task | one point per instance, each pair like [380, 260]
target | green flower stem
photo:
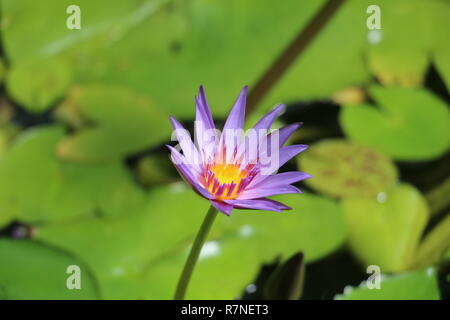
[194, 253]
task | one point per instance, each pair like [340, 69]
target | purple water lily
[232, 169]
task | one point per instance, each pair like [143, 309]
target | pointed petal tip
[174, 121]
[243, 93]
[281, 108]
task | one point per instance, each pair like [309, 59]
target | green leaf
[314, 226]
[385, 231]
[125, 122]
[400, 56]
[343, 169]
[438, 198]
[50, 81]
[127, 245]
[33, 271]
[434, 245]
[418, 285]
[151, 246]
[36, 187]
[408, 125]
[26, 37]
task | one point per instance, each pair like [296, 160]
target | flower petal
[222, 206]
[287, 131]
[205, 131]
[283, 134]
[268, 119]
[280, 179]
[233, 130]
[256, 193]
[270, 164]
[288, 152]
[203, 112]
[258, 204]
[187, 146]
[236, 117]
[249, 149]
[186, 172]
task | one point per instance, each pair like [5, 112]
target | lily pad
[408, 124]
[37, 187]
[124, 122]
[125, 246]
[33, 271]
[385, 231]
[418, 285]
[36, 85]
[342, 169]
[400, 54]
[133, 248]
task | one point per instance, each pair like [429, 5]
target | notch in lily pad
[37, 85]
[405, 124]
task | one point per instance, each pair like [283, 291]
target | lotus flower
[232, 169]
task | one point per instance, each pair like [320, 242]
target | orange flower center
[226, 181]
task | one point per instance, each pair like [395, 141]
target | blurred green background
[84, 179]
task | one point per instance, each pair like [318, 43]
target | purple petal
[256, 193]
[233, 130]
[284, 155]
[222, 206]
[236, 117]
[266, 121]
[282, 134]
[205, 131]
[258, 204]
[203, 113]
[249, 148]
[186, 173]
[280, 179]
[187, 146]
[288, 152]
[287, 131]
